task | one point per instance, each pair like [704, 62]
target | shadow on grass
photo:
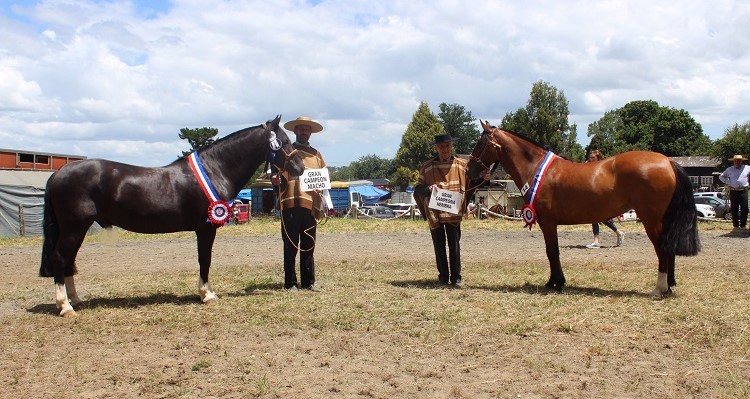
[131, 302]
[134, 302]
[736, 233]
[581, 246]
[526, 289]
[262, 287]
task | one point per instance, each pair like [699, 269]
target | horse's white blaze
[61, 299]
[205, 291]
[70, 288]
[661, 284]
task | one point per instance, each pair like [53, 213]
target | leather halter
[491, 140]
[287, 157]
[273, 151]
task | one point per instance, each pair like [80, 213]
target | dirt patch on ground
[379, 328]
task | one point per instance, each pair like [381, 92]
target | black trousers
[739, 207]
[609, 223]
[298, 232]
[452, 235]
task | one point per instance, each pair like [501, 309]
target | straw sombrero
[315, 127]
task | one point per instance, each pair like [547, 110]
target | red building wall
[27, 160]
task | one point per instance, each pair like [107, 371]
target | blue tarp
[246, 195]
[371, 195]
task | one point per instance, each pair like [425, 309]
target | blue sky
[118, 79]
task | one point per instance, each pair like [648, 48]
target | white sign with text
[315, 179]
[446, 201]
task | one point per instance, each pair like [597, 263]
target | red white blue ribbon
[527, 211]
[218, 210]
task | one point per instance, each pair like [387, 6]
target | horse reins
[491, 168]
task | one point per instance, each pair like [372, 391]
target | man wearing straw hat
[736, 178]
[298, 222]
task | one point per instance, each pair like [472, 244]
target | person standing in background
[594, 156]
[736, 178]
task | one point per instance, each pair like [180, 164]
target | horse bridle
[491, 140]
[287, 157]
[274, 146]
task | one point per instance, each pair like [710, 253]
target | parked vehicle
[380, 212]
[719, 195]
[343, 198]
[722, 208]
[705, 211]
[629, 215]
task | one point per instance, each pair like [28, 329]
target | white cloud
[118, 79]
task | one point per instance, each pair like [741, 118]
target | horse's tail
[51, 233]
[680, 223]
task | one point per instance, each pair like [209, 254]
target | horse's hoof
[659, 294]
[209, 298]
[68, 313]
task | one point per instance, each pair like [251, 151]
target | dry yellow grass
[380, 328]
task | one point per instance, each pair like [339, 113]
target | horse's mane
[230, 135]
[220, 140]
[525, 138]
[532, 141]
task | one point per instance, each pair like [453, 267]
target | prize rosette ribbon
[218, 212]
[529, 215]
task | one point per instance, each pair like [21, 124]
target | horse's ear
[274, 124]
[485, 125]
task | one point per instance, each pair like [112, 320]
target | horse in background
[153, 200]
[562, 192]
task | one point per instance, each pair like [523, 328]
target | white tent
[22, 202]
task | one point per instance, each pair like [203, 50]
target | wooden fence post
[21, 221]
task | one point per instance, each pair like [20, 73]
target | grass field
[380, 328]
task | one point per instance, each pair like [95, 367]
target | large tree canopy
[644, 125]
[545, 119]
[417, 143]
[736, 140]
[367, 167]
[460, 124]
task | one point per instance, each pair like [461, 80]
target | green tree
[197, 138]
[736, 140]
[645, 125]
[417, 143]
[603, 132]
[460, 124]
[545, 119]
[403, 177]
[371, 166]
[340, 173]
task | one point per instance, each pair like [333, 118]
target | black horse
[153, 200]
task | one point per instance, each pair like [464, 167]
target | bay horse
[153, 200]
[566, 192]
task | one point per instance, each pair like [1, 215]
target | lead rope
[305, 231]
